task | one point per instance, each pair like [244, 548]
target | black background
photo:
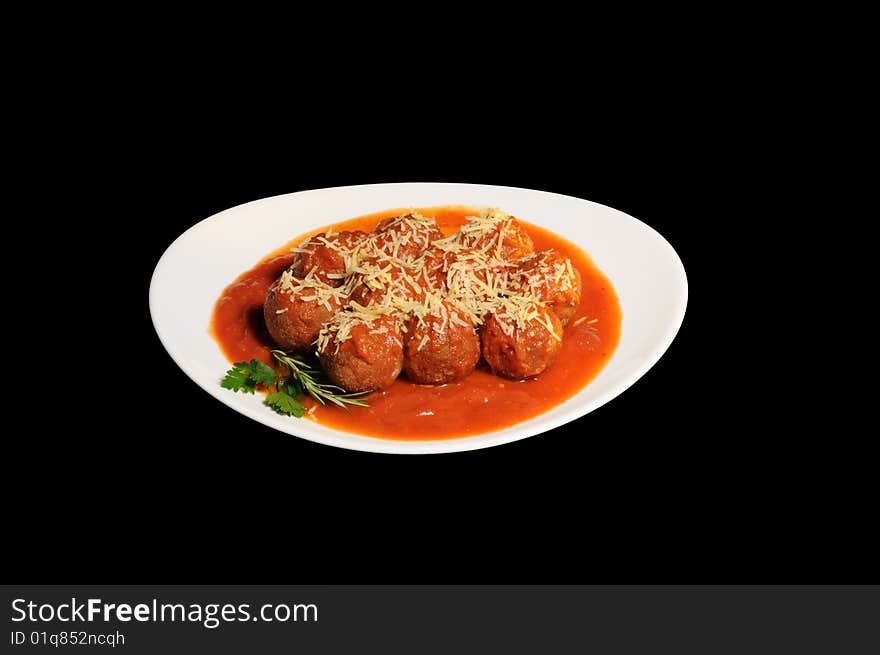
[701, 472]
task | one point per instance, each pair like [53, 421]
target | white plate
[645, 270]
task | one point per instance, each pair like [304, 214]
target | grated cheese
[403, 271]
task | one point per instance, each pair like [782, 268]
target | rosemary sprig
[306, 377]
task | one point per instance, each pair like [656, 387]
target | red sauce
[480, 403]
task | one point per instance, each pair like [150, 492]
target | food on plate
[361, 349]
[416, 301]
[327, 255]
[404, 298]
[441, 344]
[521, 339]
[380, 280]
[404, 237]
[497, 233]
[444, 322]
[297, 309]
[549, 277]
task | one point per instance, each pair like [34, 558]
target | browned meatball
[496, 233]
[551, 278]
[381, 280]
[361, 354]
[296, 310]
[405, 237]
[437, 264]
[326, 255]
[441, 347]
[470, 279]
[519, 344]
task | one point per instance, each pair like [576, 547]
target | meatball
[383, 280]
[477, 281]
[327, 255]
[518, 344]
[405, 237]
[296, 310]
[550, 277]
[361, 352]
[498, 234]
[435, 264]
[440, 347]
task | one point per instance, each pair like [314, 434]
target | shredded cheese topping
[522, 313]
[339, 328]
[312, 288]
[549, 277]
[405, 271]
[495, 233]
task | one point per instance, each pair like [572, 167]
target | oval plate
[645, 270]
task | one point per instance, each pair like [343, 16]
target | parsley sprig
[301, 379]
[245, 376]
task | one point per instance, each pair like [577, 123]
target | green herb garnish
[245, 376]
[306, 377]
[300, 380]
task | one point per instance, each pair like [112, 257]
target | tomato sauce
[480, 403]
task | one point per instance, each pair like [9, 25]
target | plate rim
[506, 435]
